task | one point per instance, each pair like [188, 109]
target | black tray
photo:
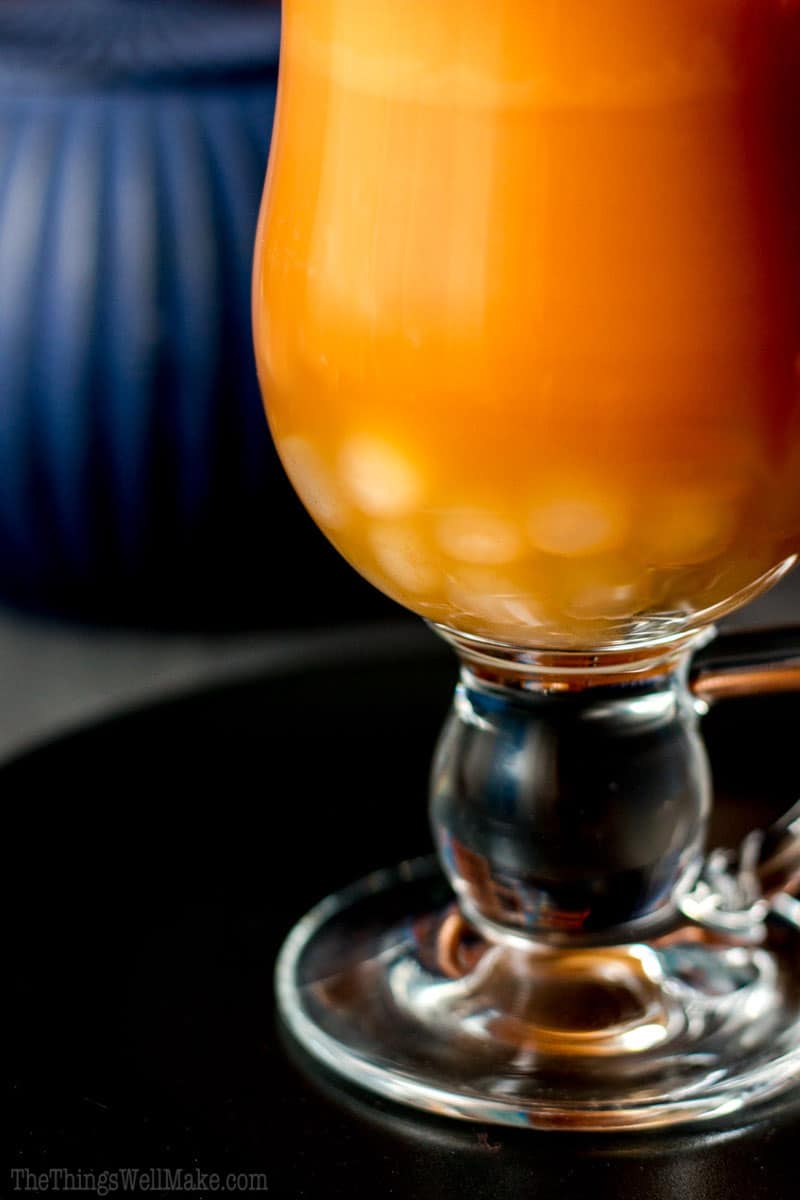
[156, 862]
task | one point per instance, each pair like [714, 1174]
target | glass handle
[738, 889]
[746, 664]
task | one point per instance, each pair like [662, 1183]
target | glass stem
[570, 796]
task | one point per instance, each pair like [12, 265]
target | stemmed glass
[527, 322]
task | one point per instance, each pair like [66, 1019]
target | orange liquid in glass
[527, 303]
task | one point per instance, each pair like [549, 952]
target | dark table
[155, 864]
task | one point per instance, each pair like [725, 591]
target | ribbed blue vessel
[137, 479]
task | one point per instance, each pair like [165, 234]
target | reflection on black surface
[500, 1162]
[156, 864]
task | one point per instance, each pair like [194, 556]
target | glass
[527, 323]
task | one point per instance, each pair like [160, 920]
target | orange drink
[527, 304]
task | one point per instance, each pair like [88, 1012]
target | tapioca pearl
[598, 599]
[432, 610]
[688, 525]
[378, 478]
[522, 610]
[402, 554]
[312, 481]
[573, 525]
[494, 598]
[478, 536]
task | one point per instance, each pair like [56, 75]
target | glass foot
[386, 985]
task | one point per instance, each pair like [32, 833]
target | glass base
[386, 985]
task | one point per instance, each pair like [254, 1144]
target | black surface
[156, 863]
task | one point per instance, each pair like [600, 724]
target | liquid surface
[527, 303]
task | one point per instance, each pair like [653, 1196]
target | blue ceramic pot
[137, 478]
